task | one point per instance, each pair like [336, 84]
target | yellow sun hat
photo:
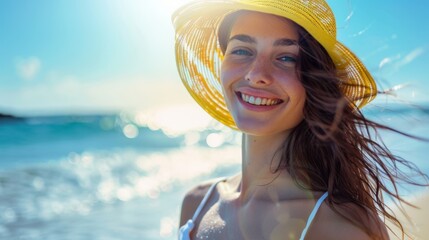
[199, 56]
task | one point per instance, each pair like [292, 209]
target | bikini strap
[205, 199]
[313, 214]
[186, 229]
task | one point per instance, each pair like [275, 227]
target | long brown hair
[335, 148]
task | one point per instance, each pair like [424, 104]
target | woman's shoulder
[331, 224]
[193, 198]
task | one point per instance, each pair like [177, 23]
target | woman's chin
[257, 128]
[264, 127]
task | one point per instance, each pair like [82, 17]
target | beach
[109, 177]
[419, 227]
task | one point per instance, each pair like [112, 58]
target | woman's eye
[242, 52]
[287, 59]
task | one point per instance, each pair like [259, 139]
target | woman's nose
[259, 73]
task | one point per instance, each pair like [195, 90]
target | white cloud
[362, 31]
[388, 60]
[28, 68]
[384, 62]
[398, 61]
[411, 56]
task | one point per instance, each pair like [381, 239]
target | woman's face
[259, 76]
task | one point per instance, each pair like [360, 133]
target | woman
[310, 166]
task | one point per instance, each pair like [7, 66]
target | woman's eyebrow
[243, 38]
[285, 42]
[249, 39]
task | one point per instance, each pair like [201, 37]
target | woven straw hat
[198, 54]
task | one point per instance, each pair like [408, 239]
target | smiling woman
[313, 166]
[260, 65]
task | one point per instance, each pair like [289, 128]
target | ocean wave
[83, 187]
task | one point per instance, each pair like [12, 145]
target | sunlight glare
[215, 140]
[176, 120]
[172, 5]
[130, 131]
[167, 227]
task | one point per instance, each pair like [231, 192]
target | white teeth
[259, 101]
[252, 100]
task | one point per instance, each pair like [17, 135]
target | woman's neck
[260, 156]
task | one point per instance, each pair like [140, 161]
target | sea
[123, 175]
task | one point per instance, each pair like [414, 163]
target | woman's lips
[258, 103]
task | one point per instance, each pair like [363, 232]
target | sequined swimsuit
[185, 230]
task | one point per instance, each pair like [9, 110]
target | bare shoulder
[192, 199]
[329, 224]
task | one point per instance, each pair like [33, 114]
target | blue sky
[79, 56]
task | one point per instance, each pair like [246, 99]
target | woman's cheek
[226, 74]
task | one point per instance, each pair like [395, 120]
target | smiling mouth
[259, 101]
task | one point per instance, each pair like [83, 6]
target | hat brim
[199, 57]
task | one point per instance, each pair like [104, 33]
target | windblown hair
[335, 148]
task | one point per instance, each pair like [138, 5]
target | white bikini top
[185, 230]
